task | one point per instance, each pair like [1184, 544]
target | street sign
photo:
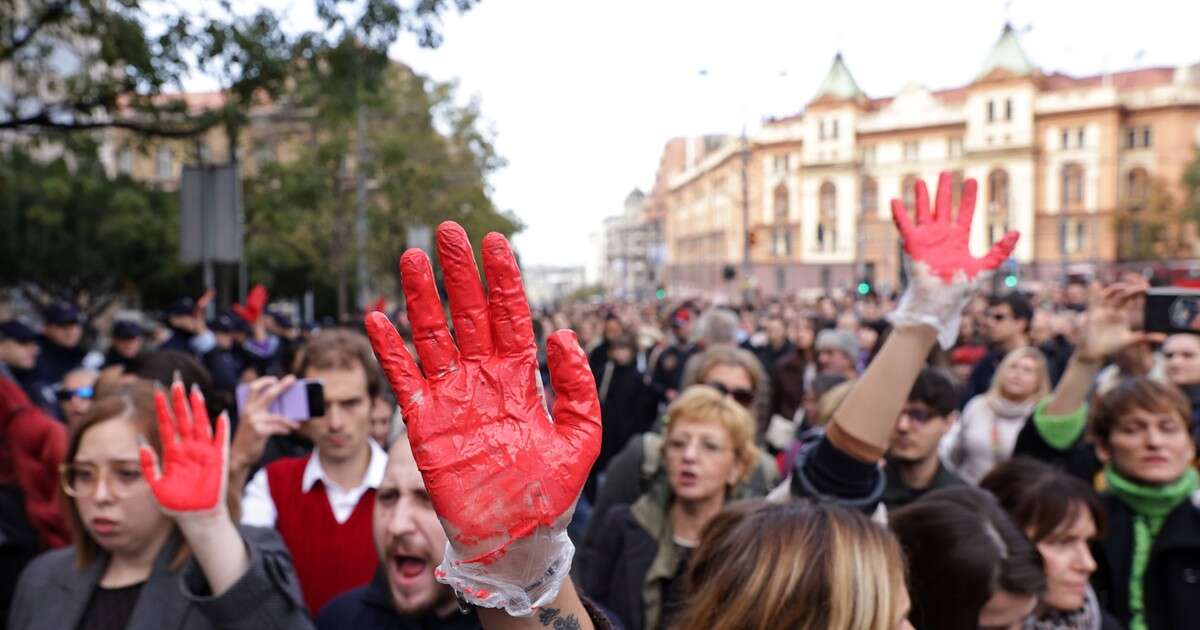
[210, 214]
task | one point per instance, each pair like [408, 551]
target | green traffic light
[661, 294]
[1010, 281]
[864, 288]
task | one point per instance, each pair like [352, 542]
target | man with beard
[913, 465]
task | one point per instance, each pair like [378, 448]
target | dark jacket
[787, 384]
[53, 594]
[370, 608]
[1078, 460]
[54, 361]
[637, 569]
[1171, 586]
[627, 409]
[896, 494]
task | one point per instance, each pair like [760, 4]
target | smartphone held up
[304, 400]
[1172, 310]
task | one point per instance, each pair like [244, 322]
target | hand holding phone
[300, 400]
[261, 414]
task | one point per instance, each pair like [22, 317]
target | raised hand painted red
[193, 468]
[940, 241]
[495, 465]
[256, 301]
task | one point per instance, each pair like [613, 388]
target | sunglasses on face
[740, 395]
[85, 393]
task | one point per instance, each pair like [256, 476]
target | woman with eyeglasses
[643, 548]
[987, 430]
[154, 541]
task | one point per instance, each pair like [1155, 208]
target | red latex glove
[941, 241]
[193, 474]
[379, 305]
[256, 301]
[943, 273]
[497, 468]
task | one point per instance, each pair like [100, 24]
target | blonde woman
[989, 425]
[796, 565]
[640, 557]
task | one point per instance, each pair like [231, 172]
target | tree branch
[44, 121]
[53, 12]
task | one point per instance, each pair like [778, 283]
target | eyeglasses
[86, 393]
[121, 478]
[740, 395]
[920, 416]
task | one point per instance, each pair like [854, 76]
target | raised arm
[502, 475]
[943, 276]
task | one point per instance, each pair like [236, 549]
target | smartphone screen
[1172, 310]
[304, 400]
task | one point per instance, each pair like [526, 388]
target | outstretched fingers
[201, 427]
[183, 414]
[901, 219]
[922, 199]
[577, 406]
[436, 348]
[966, 203]
[468, 304]
[512, 322]
[398, 365]
[941, 206]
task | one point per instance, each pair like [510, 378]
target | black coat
[370, 608]
[1171, 586]
[1079, 459]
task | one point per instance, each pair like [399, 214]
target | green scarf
[1151, 505]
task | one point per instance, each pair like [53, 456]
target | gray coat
[53, 593]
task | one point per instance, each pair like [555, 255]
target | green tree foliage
[68, 231]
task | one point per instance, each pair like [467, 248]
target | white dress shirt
[258, 508]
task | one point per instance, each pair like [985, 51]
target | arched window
[1137, 188]
[1072, 185]
[827, 221]
[781, 204]
[868, 200]
[997, 209]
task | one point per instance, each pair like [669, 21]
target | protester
[33, 445]
[1181, 354]
[776, 343]
[642, 550]
[1062, 516]
[794, 371]
[385, 418]
[837, 352]
[990, 423]
[763, 566]
[1006, 328]
[223, 361]
[1141, 431]
[913, 465]
[969, 565]
[155, 548]
[626, 403]
[61, 342]
[127, 344]
[18, 353]
[321, 503]
[188, 332]
[75, 394]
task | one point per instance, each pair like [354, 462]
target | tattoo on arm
[550, 617]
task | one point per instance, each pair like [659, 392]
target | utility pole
[747, 289]
[360, 219]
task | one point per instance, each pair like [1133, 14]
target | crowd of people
[950, 457]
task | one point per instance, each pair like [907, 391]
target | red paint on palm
[192, 477]
[941, 241]
[495, 465]
[256, 301]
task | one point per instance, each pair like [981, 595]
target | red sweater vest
[330, 557]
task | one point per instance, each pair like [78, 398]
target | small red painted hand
[256, 301]
[502, 475]
[941, 241]
[193, 476]
[943, 273]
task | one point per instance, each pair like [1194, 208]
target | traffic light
[864, 287]
[1010, 280]
[660, 294]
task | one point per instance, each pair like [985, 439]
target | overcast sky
[583, 95]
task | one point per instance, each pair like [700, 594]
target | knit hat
[840, 340]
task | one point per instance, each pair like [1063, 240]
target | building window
[163, 167]
[834, 132]
[956, 184]
[997, 219]
[1139, 137]
[954, 147]
[868, 155]
[1008, 109]
[1147, 137]
[1137, 188]
[1081, 136]
[821, 129]
[869, 196]
[1130, 138]
[911, 151]
[781, 203]
[1073, 236]
[1072, 185]
[125, 161]
[991, 116]
[781, 242]
[827, 222]
[1066, 139]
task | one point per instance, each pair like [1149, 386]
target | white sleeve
[258, 509]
